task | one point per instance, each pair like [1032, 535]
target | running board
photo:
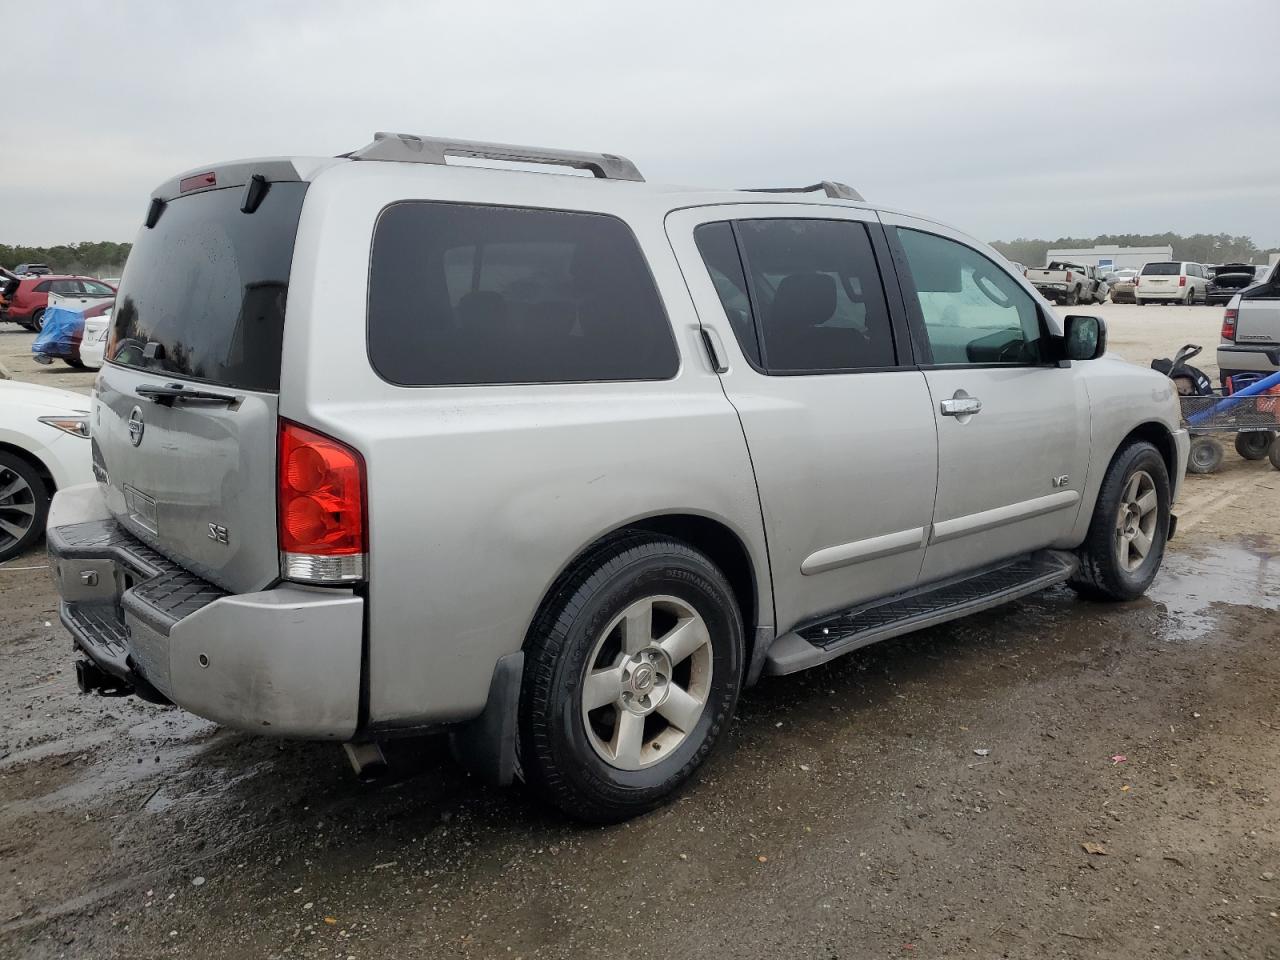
[851, 629]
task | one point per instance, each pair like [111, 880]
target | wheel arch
[724, 546]
[34, 462]
[1159, 436]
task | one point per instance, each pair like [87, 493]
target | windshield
[203, 292]
[1162, 270]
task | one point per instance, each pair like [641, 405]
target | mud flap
[487, 745]
[1173, 527]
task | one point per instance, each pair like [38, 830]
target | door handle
[961, 405]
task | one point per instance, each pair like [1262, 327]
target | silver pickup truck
[1068, 283]
[1250, 341]
[562, 464]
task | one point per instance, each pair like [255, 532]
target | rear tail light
[1136, 279]
[1182, 281]
[321, 508]
[1068, 276]
[1229, 325]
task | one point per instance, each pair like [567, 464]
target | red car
[27, 301]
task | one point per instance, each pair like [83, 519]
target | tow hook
[91, 678]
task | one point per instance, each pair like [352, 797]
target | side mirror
[1086, 337]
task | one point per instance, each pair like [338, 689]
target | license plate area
[142, 508]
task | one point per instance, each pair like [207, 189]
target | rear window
[463, 294]
[1162, 270]
[203, 293]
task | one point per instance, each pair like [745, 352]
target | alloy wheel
[17, 507]
[646, 682]
[1136, 521]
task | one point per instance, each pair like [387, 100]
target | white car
[1172, 281]
[96, 331]
[44, 447]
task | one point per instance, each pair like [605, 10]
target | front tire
[24, 505]
[1254, 444]
[1126, 540]
[632, 674]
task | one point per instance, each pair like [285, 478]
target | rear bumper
[1163, 293]
[1219, 296]
[1248, 358]
[284, 661]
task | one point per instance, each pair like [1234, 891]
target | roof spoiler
[832, 188]
[410, 148]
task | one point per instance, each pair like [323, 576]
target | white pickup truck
[1068, 283]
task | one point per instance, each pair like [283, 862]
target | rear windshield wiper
[168, 393]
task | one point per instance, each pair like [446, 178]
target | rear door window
[205, 288]
[719, 252]
[464, 294]
[814, 290]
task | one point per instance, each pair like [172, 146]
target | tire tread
[549, 639]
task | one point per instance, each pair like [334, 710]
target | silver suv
[562, 464]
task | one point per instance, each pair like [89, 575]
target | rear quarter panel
[480, 496]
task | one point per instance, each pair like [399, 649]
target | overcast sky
[1005, 119]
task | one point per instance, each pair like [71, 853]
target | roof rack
[409, 148]
[832, 188]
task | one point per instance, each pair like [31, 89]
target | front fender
[1123, 399]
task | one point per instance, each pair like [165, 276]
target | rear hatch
[1232, 276]
[8, 285]
[200, 313]
[1159, 277]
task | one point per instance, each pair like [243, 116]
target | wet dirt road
[847, 815]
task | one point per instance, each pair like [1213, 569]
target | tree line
[101, 258]
[1198, 248]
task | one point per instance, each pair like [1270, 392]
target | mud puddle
[1194, 584]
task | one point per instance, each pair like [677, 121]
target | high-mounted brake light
[199, 181]
[1229, 325]
[320, 508]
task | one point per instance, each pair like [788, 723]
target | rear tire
[1255, 444]
[1274, 454]
[1139, 303]
[1126, 540]
[1206, 455]
[24, 505]
[37, 320]
[647, 629]
[75, 364]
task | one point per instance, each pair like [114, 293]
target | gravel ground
[1054, 778]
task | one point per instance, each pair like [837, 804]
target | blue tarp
[60, 336]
